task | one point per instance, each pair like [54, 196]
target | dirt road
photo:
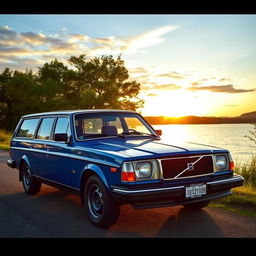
[55, 213]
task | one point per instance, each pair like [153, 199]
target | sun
[176, 103]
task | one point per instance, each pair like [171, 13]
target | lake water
[228, 136]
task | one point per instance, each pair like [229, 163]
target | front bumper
[174, 195]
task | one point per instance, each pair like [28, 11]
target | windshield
[93, 125]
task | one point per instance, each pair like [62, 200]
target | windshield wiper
[132, 131]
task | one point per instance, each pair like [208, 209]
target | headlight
[221, 162]
[140, 170]
[143, 169]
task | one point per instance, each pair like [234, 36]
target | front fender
[97, 170]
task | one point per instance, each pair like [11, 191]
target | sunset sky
[186, 64]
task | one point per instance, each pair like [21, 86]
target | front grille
[200, 165]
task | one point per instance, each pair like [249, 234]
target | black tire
[198, 205]
[30, 184]
[101, 209]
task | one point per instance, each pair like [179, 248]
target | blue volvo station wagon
[114, 157]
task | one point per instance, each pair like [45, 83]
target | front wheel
[197, 205]
[102, 211]
[30, 184]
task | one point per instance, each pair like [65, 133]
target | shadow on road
[56, 213]
[51, 213]
[190, 223]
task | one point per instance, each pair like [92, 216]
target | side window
[62, 126]
[28, 128]
[45, 128]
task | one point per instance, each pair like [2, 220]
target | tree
[106, 80]
[100, 82]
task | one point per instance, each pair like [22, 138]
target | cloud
[220, 88]
[195, 83]
[152, 94]
[155, 86]
[78, 37]
[7, 35]
[15, 46]
[231, 105]
[147, 39]
[138, 70]
[167, 87]
[223, 79]
[133, 44]
[173, 74]
[33, 38]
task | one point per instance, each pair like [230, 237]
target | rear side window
[44, 131]
[62, 126]
[28, 128]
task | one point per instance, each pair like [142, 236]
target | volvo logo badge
[190, 166]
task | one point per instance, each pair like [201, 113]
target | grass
[242, 201]
[5, 138]
[248, 171]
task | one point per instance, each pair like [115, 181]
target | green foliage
[248, 171]
[100, 82]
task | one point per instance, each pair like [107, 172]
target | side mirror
[61, 137]
[159, 132]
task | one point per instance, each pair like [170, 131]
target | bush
[5, 137]
[248, 171]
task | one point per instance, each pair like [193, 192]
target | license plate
[195, 190]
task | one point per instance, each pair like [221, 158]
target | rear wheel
[102, 211]
[30, 184]
[197, 205]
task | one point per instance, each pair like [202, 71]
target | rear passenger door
[39, 146]
[58, 161]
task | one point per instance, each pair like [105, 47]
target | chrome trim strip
[69, 156]
[239, 178]
[55, 182]
[117, 190]
[124, 191]
[193, 156]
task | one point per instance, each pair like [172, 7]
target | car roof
[70, 112]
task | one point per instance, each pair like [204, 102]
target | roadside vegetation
[243, 199]
[5, 138]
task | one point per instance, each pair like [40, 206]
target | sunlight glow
[177, 103]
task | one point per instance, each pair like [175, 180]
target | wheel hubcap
[27, 177]
[95, 201]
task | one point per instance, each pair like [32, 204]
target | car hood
[147, 148]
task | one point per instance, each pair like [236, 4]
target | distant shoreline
[159, 120]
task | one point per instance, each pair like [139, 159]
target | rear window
[28, 128]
